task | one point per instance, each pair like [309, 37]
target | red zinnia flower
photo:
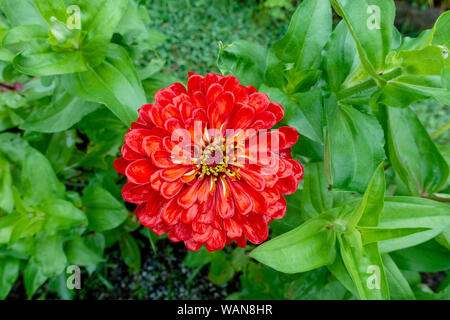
[201, 165]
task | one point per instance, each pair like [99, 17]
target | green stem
[440, 131]
[367, 84]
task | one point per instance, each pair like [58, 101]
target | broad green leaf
[292, 61]
[366, 270]
[316, 198]
[340, 57]
[61, 215]
[245, 60]
[38, 180]
[399, 288]
[52, 8]
[221, 271]
[61, 148]
[114, 83]
[410, 212]
[303, 111]
[9, 272]
[62, 113]
[368, 211]
[12, 147]
[15, 11]
[78, 253]
[441, 35]
[338, 269]
[413, 154]
[353, 147]
[32, 278]
[426, 257]
[375, 234]
[104, 212]
[371, 23]
[6, 193]
[49, 254]
[42, 60]
[130, 251]
[420, 79]
[304, 248]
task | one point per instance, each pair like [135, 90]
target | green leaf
[245, 60]
[304, 248]
[303, 111]
[61, 215]
[368, 212]
[12, 147]
[338, 269]
[366, 270]
[38, 179]
[130, 252]
[399, 288]
[375, 234]
[316, 198]
[410, 212]
[413, 154]
[78, 253]
[426, 257]
[340, 57]
[15, 11]
[114, 83]
[61, 114]
[60, 149]
[104, 212]
[292, 60]
[371, 23]
[9, 272]
[33, 278]
[221, 271]
[49, 254]
[6, 193]
[52, 8]
[353, 147]
[440, 30]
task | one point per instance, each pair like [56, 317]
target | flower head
[203, 166]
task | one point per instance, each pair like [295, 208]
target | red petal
[287, 185]
[182, 231]
[213, 92]
[277, 210]
[268, 118]
[260, 101]
[135, 137]
[256, 229]
[189, 196]
[174, 173]
[177, 88]
[198, 99]
[151, 144]
[129, 154]
[121, 165]
[189, 215]
[242, 200]
[253, 178]
[277, 110]
[242, 117]
[171, 212]
[140, 171]
[195, 83]
[234, 229]
[225, 205]
[204, 234]
[291, 136]
[163, 97]
[193, 245]
[136, 193]
[216, 241]
[171, 189]
[161, 159]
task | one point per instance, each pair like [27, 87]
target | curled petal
[171, 189]
[121, 165]
[139, 171]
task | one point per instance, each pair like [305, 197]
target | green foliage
[368, 216]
